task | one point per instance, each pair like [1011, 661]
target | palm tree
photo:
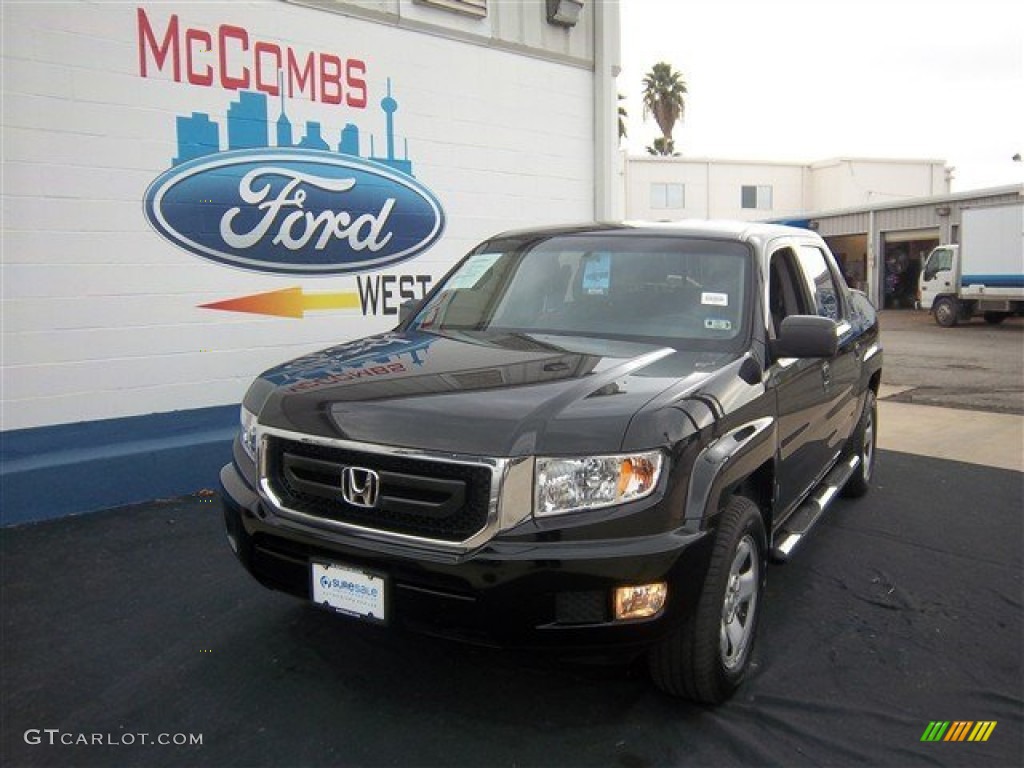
[664, 90]
[623, 116]
[663, 147]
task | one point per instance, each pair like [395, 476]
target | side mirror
[806, 336]
[408, 308]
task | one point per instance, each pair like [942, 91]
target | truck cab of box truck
[938, 285]
[984, 274]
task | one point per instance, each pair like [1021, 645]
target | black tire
[706, 659]
[994, 318]
[947, 314]
[863, 443]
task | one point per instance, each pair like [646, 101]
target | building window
[759, 198]
[667, 196]
[476, 8]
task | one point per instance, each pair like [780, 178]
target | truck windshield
[680, 291]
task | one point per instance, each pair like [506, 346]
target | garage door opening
[903, 254]
[851, 251]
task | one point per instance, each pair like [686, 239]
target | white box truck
[984, 274]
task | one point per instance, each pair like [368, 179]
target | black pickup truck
[586, 439]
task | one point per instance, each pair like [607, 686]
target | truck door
[799, 386]
[937, 277]
[841, 373]
[815, 397]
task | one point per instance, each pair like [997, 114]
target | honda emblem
[360, 487]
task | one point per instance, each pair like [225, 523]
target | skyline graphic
[249, 127]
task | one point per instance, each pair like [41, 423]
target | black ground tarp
[904, 608]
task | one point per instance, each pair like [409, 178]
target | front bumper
[509, 592]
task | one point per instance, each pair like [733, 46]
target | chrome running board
[792, 532]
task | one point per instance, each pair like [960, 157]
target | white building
[194, 192]
[673, 188]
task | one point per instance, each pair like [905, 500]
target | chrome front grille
[420, 497]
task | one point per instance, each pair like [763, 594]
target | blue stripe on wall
[994, 281]
[66, 469]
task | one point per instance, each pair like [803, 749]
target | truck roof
[718, 229]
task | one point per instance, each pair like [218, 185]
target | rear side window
[820, 282]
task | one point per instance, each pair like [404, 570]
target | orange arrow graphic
[287, 302]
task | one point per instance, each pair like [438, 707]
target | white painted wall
[847, 183]
[515, 22]
[713, 186]
[641, 174]
[728, 178]
[101, 315]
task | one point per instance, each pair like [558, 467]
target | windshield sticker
[597, 274]
[471, 272]
[717, 324]
[714, 299]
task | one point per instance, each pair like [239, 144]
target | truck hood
[482, 394]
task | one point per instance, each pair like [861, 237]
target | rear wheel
[707, 658]
[862, 443]
[994, 318]
[946, 313]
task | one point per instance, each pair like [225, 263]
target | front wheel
[862, 443]
[947, 313]
[706, 659]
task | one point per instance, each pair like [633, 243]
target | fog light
[640, 602]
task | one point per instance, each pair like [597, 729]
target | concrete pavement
[902, 608]
[974, 437]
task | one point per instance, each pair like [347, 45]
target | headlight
[567, 485]
[248, 435]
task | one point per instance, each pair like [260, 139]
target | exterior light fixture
[942, 210]
[640, 602]
[564, 13]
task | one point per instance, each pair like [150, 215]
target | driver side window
[785, 293]
[940, 260]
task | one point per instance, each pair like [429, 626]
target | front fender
[724, 464]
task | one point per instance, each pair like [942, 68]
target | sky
[806, 80]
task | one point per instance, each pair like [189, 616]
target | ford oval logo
[294, 211]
